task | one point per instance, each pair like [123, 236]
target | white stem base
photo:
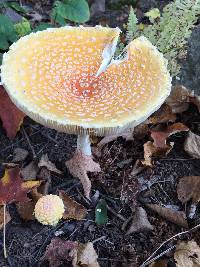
[83, 144]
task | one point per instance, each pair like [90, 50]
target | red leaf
[10, 115]
[159, 137]
[12, 187]
[58, 251]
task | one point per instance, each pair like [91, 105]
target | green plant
[73, 10]
[131, 26]
[171, 32]
[7, 32]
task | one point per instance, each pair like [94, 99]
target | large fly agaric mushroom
[66, 79]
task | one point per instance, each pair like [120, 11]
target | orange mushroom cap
[52, 76]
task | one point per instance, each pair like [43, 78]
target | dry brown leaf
[8, 218]
[189, 188]
[187, 254]
[139, 222]
[192, 145]
[141, 131]
[45, 162]
[26, 209]
[151, 151]
[163, 115]
[179, 99]
[159, 263]
[126, 134]
[73, 210]
[174, 216]
[159, 137]
[30, 171]
[58, 251]
[79, 165]
[85, 256]
[20, 154]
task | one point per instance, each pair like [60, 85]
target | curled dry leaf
[196, 100]
[179, 99]
[73, 210]
[13, 189]
[8, 218]
[163, 115]
[127, 134]
[26, 209]
[58, 251]
[174, 216]
[85, 256]
[141, 131]
[79, 165]
[192, 145]
[10, 115]
[189, 188]
[29, 172]
[159, 137]
[139, 222]
[187, 254]
[45, 162]
[152, 151]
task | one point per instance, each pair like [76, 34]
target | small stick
[116, 214]
[166, 241]
[4, 231]
[29, 143]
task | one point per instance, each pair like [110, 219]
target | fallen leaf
[58, 251]
[20, 154]
[192, 145]
[127, 134]
[8, 218]
[163, 115]
[79, 165]
[73, 210]
[152, 151]
[26, 209]
[30, 171]
[187, 254]
[10, 115]
[85, 256]
[138, 222]
[159, 263]
[45, 162]
[174, 216]
[189, 188]
[159, 137]
[179, 99]
[12, 187]
[141, 131]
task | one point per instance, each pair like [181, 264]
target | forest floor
[26, 241]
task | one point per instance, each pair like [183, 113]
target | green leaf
[43, 26]
[7, 32]
[57, 17]
[1, 58]
[153, 14]
[73, 10]
[4, 45]
[22, 28]
[101, 212]
[16, 6]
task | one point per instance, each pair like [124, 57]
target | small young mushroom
[66, 78]
[49, 209]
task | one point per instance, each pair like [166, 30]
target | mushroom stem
[83, 144]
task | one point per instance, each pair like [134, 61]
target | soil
[27, 241]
